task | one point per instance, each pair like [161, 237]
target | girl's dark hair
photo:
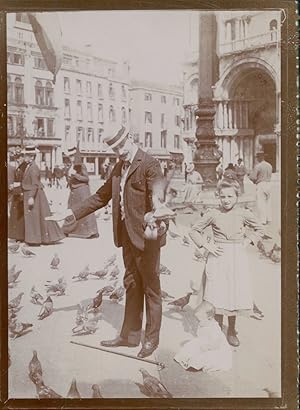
[77, 168]
[229, 183]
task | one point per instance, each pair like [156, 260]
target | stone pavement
[256, 363]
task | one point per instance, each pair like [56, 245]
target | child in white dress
[209, 351]
[228, 268]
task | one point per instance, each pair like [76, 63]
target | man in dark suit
[130, 186]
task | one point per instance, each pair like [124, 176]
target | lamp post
[21, 131]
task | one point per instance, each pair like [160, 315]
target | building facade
[156, 119]
[247, 93]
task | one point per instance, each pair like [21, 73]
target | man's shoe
[233, 339]
[147, 349]
[118, 341]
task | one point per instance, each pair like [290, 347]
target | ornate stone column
[207, 155]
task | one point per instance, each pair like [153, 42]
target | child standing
[209, 351]
[228, 276]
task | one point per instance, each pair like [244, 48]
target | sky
[155, 42]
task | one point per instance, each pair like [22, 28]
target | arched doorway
[257, 89]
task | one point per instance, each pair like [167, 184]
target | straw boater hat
[190, 167]
[30, 150]
[71, 151]
[116, 136]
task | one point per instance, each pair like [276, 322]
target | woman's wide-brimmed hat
[190, 167]
[77, 158]
[71, 151]
[116, 136]
[30, 150]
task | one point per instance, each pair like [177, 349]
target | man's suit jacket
[143, 172]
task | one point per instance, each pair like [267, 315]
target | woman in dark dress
[78, 182]
[16, 223]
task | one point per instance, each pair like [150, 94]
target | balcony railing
[260, 40]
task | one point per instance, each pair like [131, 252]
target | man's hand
[30, 202]
[213, 249]
[60, 216]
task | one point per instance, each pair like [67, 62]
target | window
[10, 126]
[22, 17]
[148, 97]
[111, 92]
[162, 121]
[163, 99]
[89, 88]
[67, 134]
[176, 101]
[177, 120]
[123, 115]
[66, 84]
[67, 60]
[123, 92]
[112, 114]
[39, 93]
[148, 139]
[39, 63]
[40, 127]
[50, 129]
[176, 141]
[273, 29]
[49, 94]
[148, 117]
[163, 139]
[90, 135]
[16, 58]
[100, 130]
[79, 110]
[19, 91]
[9, 89]
[67, 108]
[80, 134]
[78, 87]
[100, 112]
[100, 91]
[89, 111]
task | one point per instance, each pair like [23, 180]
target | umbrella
[48, 34]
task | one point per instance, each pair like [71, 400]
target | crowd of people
[136, 188]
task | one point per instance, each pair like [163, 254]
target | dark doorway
[269, 149]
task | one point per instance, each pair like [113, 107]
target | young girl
[228, 270]
[209, 351]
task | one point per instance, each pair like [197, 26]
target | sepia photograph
[144, 204]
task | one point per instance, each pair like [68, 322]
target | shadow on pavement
[188, 319]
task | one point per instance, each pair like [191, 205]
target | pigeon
[96, 303]
[58, 288]
[73, 392]
[118, 294]
[100, 274]
[27, 252]
[45, 392]
[165, 295]
[12, 270]
[114, 273]
[257, 313]
[163, 270]
[152, 387]
[96, 392]
[181, 302]
[89, 326]
[276, 255]
[270, 393]
[36, 297]
[13, 276]
[173, 235]
[46, 309]
[186, 241]
[81, 316]
[14, 248]
[110, 261]
[19, 329]
[107, 290]
[14, 303]
[55, 262]
[11, 315]
[35, 368]
[83, 274]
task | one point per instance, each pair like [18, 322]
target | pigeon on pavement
[110, 261]
[45, 392]
[27, 252]
[96, 303]
[271, 393]
[14, 303]
[36, 297]
[35, 368]
[96, 392]
[100, 274]
[114, 273]
[163, 270]
[83, 275]
[13, 276]
[19, 329]
[107, 290]
[181, 302]
[152, 387]
[89, 326]
[46, 309]
[165, 295]
[14, 248]
[73, 392]
[55, 262]
[57, 288]
[118, 294]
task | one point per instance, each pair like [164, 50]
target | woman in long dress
[36, 208]
[194, 185]
[78, 182]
